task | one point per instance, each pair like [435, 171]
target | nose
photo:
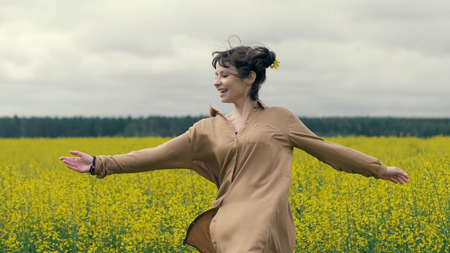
[217, 82]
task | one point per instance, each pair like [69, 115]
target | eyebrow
[224, 71]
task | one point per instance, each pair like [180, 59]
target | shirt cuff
[381, 170]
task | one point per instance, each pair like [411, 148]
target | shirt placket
[235, 145]
[229, 176]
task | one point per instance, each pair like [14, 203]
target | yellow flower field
[46, 207]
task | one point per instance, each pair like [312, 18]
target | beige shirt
[252, 171]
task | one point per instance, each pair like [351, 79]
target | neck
[243, 108]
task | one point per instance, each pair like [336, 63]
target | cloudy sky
[153, 57]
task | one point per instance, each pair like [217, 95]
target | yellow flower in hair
[275, 64]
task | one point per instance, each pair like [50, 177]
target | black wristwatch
[92, 169]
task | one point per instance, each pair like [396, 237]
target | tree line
[17, 127]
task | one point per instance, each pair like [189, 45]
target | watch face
[92, 169]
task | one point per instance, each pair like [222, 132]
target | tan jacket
[252, 171]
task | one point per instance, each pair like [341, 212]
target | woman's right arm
[175, 153]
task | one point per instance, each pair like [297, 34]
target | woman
[247, 154]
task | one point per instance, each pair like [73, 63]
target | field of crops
[45, 207]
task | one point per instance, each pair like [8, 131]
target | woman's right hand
[82, 163]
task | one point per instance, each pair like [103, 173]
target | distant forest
[16, 127]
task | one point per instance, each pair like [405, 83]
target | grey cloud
[111, 58]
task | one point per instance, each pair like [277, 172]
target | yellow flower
[275, 64]
[149, 212]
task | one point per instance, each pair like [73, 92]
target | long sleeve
[339, 157]
[175, 153]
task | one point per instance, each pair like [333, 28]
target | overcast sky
[148, 57]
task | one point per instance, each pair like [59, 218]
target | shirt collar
[259, 104]
[212, 111]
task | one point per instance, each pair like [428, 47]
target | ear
[251, 77]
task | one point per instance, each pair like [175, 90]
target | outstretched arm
[340, 157]
[175, 153]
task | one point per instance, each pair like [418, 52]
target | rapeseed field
[45, 207]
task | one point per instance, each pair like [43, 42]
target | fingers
[393, 180]
[79, 163]
[404, 178]
[69, 159]
[77, 153]
[401, 176]
[397, 180]
[396, 175]
[73, 167]
[64, 159]
[71, 162]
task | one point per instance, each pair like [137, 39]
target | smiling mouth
[221, 91]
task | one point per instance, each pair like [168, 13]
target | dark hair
[246, 59]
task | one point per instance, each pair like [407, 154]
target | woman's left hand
[395, 175]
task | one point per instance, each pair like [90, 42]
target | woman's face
[231, 88]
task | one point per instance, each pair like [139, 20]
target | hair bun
[264, 56]
[271, 56]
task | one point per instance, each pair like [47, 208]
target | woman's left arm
[339, 157]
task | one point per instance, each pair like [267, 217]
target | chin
[225, 101]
